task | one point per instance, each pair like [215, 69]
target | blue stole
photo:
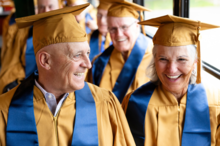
[136, 111]
[30, 62]
[196, 131]
[128, 71]
[88, 18]
[94, 44]
[12, 19]
[21, 126]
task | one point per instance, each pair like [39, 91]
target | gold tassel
[142, 19]
[199, 63]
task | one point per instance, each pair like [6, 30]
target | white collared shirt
[51, 100]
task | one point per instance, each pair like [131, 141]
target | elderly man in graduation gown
[54, 106]
[120, 67]
[100, 39]
[175, 108]
[19, 61]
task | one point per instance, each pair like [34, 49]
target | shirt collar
[45, 93]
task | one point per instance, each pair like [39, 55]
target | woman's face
[174, 66]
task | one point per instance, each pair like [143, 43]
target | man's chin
[77, 87]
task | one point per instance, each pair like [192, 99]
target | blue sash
[128, 71]
[94, 44]
[88, 17]
[30, 62]
[85, 129]
[99, 65]
[12, 19]
[196, 130]
[136, 111]
[21, 126]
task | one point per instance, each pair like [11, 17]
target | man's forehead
[47, 2]
[120, 20]
[77, 46]
[68, 46]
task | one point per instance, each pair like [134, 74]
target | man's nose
[87, 62]
[119, 31]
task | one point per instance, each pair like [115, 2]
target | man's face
[68, 65]
[47, 5]
[123, 32]
[102, 21]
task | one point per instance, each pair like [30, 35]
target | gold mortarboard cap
[103, 4]
[122, 8]
[56, 26]
[178, 31]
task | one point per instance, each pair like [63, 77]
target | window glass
[159, 8]
[208, 11]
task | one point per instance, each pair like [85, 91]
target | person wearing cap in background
[9, 30]
[85, 19]
[19, 60]
[175, 108]
[120, 67]
[54, 106]
[100, 39]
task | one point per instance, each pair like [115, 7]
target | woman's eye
[163, 59]
[181, 59]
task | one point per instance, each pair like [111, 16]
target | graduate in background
[54, 106]
[120, 67]
[175, 108]
[85, 19]
[100, 39]
[19, 60]
[9, 30]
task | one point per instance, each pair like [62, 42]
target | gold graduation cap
[178, 31]
[103, 4]
[122, 8]
[56, 26]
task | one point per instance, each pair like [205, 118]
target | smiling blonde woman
[175, 108]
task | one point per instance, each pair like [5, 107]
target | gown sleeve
[113, 129]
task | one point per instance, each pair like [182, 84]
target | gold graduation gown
[14, 60]
[115, 65]
[164, 118]
[8, 36]
[112, 125]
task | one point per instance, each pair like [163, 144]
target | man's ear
[44, 60]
